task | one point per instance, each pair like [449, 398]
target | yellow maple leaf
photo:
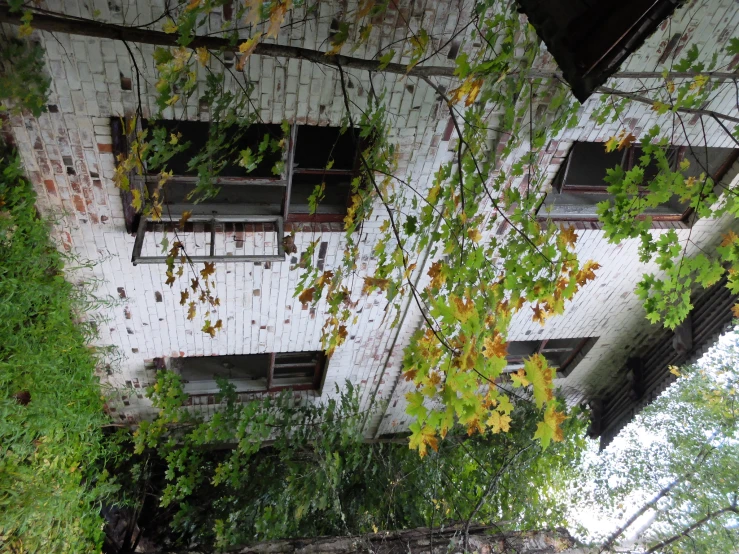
[423, 438]
[169, 27]
[675, 370]
[519, 379]
[568, 236]
[474, 91]
[495, 346]
[184, 217]
[554, 419]
[191, 311]
[474, 234]
[192, 5]
[277, 16]
[208, 270]
[499, 422]
[541, 377]
[587, 273]
[203, 55]
[611, 144]
[735, 310]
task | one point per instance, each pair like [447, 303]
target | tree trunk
[484, 539]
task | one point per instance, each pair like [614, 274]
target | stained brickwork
[68, 155]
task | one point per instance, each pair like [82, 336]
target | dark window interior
[196, 132]
[559, 353]
[316, 146]
[252, 372]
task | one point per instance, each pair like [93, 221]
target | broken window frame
[239, 213]
[271, 383]
[583, 198]
[577, 353]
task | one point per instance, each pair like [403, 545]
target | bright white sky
[599, 522]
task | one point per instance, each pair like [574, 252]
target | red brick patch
[105, 147]
[79, 203]
[50, 188]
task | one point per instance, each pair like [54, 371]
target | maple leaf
[611, 144]
[306, 296]
[499, 422]
[540, 375]
[170, 279]
[675, 370]
[504, 405]
[495, 347]
[277, 16]
[437, 277]
[540, 315]
[192, 5]
[474, 92]
[568, 236]
[474, 234]
[246, 48]
[218, 325]
[549, 429]
[587, 273]
[410, 375]
[191, 311]
[325, 278]
[423, 437]
[729, 238]
[209, 329]
[474, 426]
[463, 309]
[519, 379]
[626, 140]
[183, 218]
[184, 295]
[203, 56]
[208, 270]
[194, 284]
[735, 310]
[136, 202]
[372, 282]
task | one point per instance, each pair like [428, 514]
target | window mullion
[270, 371]
[289, 169]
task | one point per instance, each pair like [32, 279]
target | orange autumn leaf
[568, 236]
[587, 273]
[729, 238]
[735, 310]
[495, 347]
[307, 295]
[437, 277]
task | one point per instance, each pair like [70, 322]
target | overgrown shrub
[51, 417]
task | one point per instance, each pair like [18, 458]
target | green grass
[51, 449]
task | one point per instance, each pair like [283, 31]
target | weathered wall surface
[68, 155]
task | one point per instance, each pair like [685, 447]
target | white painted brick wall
[258, 308]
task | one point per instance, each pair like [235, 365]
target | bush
[51, 413]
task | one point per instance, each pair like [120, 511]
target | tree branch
[708, 517]
[644, 100]
[99, 29]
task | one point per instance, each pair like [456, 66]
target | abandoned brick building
[605, 350]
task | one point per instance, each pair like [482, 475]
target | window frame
[629, 160]
[220, 213]
[577, 353]
[316, 383]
